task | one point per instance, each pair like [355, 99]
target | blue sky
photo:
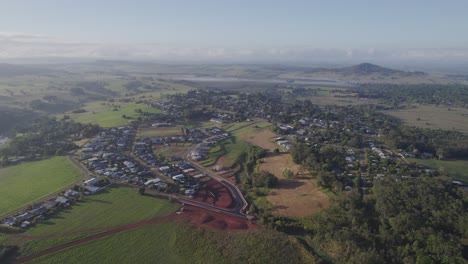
[243, 26]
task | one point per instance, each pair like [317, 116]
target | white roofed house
[91, 182]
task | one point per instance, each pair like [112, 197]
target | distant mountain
[368, 69]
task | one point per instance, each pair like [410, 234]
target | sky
[240, 30]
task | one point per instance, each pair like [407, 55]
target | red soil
[218, 221]
[216, 194]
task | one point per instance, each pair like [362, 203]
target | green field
[230, 148]
[115, 206]
[108, 114]
[434, 117]
[160, 132]
[457, 169]
[250, 129]
[172, 243]
[24, 184]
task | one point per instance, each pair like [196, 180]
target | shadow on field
[288, 184]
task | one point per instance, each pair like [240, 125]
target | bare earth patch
[262, 138]
[297, 198]
[293, 197]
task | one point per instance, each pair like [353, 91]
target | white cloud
[22, 45]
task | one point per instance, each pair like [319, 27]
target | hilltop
[364, 73]
[368, 69]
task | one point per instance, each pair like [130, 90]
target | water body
[274, 80]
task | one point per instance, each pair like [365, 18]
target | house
[189, 192]
[26, 216]
[25, 224]
[61, 200]
[50, 204]
[152, 181]
[217, 120]
[164, 168]
[91, 189]
[71, 193]
[91, 182]
[198, 176]
[39, 210]
[179, 178]
[129, 164]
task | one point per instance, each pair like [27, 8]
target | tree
[441, 153]
[287, 173]
[141, 190]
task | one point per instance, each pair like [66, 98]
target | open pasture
[107, 114]
[434, 117]
[29, 182]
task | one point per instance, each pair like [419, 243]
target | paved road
[241, 203]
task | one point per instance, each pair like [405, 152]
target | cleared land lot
[24, 184]
[108, 114]
[115, 206]
[435, 117]
[292, 197]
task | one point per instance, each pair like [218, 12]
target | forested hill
[368, 68]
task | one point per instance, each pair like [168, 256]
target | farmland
[457, 169]
[172, 243]
[115, 206]
[434, 117]
[23, 184]
[108, 114]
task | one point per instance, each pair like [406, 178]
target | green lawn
[234, 151]
[251, 129]
[160, 132]
[103, 114]
[24, 184]
[115, 206]
[172, 243]
[230, 148]
[457, 169]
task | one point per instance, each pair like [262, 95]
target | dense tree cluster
[412, 221]
[12, 119]
[47, 136]
[441, 143]
[455, 94]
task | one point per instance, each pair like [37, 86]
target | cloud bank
[21, 45]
